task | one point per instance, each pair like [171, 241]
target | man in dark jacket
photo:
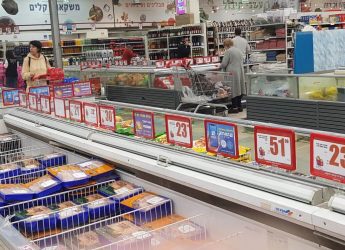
[183, 50]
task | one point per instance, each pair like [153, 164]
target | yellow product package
[95, 167]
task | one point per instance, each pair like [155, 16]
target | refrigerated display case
[313, 101]
[238, 203]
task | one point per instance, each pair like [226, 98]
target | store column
[194, 7]
[54, 21]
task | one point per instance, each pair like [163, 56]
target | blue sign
[63, 91]
[10, 97]
[144, 124]
[43, 90]
[221, 138]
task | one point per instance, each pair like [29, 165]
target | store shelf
[263, 50]
[267, 38]
[325, 24]
[267, 24]
[158, 38]
[186, 35]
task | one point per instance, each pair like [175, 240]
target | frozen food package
[120, 190]
[95, 168]
[165, 221]
[30, 166]
[87, 241]
[70, 214]
[9, 170]
[15, 192]
[70, 175]
[44, 186]
[52, 160]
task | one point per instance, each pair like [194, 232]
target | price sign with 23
[91, 114]
[75, 111]
[327, 157]
[275, 147]
[179, 130]
[107, 117]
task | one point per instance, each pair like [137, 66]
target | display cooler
[170, 189]
[314, 101]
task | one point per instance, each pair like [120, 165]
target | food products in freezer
[120, 190]
[148, 207]
[51, 160]
[70, 214]
[9, 170]
[95, 168]
[162, 139]
[98, 206]
[87, 241]
[15, 192]
[160, 223]
[199, 145]
[44, 186]
[30, 166]
[70, 175]
[118, 118]
[36, 219]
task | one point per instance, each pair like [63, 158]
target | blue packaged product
[52, 160]
[69, 175]
[31, 166]
[9, 170]
[120, 190]
[15, 192]
[36, 219]
[44, 186]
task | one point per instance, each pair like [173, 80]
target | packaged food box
[36, 219]
[9, 170]
[98, 206]
[15, 192]
[69, 175]
[108, 177]
[44, 186]
[95, 168]
[149, 207]
[126, 235]
[70, 214]
[87, 241]
[30, 166]
[52, 160]
[120, 190]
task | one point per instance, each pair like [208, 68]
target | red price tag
[45, 104]
[275, 147]
[327, 157]
[60, 107]
[90, 113]
[75, 111]
[107, 117]
[33, 103]
[23, 99]
[179, 130]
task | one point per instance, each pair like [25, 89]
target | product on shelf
[199, 145]
[120, 190]
[70, 175]
[15, 192]
[9, 170]
[87, 241]
[36, 219]
[95, 168]
[162, 139]
[160, 223]
[133, 79]
[52, 160]
[44, 186]
[30, 166]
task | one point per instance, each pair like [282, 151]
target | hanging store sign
[181, 7]
[23, 99]
[90, 113]
[75, 111]
[107, 118]
[33, 102]
[327, 157]
[63, 90]
[221, 138]
[60, 107]
[45, 104]
[275, 147]
[10, 97]
[82, 89]
[144, 124]
[179, 130]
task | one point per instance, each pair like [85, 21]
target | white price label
[75, 111]
[79, 175]
[23, 100]
[179, 131]
[275, 147]
[45, 105]
[107, 117]
[20, 191]
[48, 183]
[140, 235]
[90, 114]
[186, 229]
[33, 102]
[155, 200]
[122, 190]
[60, 108]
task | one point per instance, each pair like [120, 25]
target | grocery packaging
[95, 168]
[15, 192]
[126, 235]
[70, 214]
[120, 190]
[87, 241]
[30, 166]
[199, 145]
[36, 219]
[51, 160]
[98, 206]
[108, 177]
[147, 206]
[69, 175]
[9, 170]
[44, 186]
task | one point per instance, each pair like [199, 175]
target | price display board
[275, 147]
[10, 97]
[82, 89]
[179, 130]
[33, 102]
[144, 124]
[23, 99]
[90, 113]
[45, 104]
[63, 90]
[221, 138]
[76, 111]
[107, 118]
[60, 107]
[40, 90]
[327, 157]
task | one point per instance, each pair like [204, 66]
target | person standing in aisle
[35, 65]
[128, 54]
[241, 43]
[183, 50]
[11, 73]
[233, 63]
